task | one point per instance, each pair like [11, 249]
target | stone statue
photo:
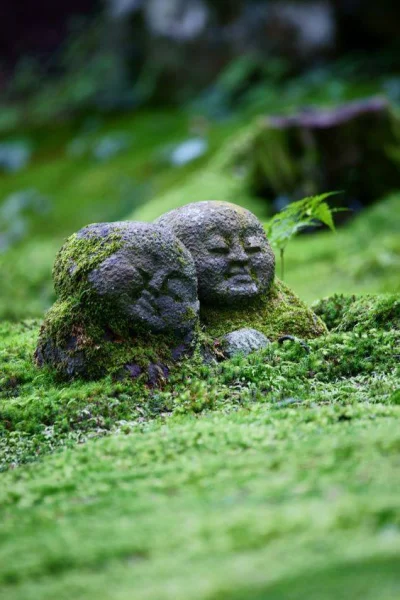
[127, 297]
[235, 269]
[128, 294]
[234, 261]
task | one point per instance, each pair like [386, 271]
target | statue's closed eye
[252, 249]
[217, 245]
[219, 250]
[253, 245]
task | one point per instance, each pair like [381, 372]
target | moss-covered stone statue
[127, 303]
[128, 293]
[236, 273]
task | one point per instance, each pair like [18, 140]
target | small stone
[157, 374]
[134, 371]
[244, 341]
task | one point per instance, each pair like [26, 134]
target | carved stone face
[151, 281]
[234, 260]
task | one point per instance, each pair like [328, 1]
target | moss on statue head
[79, 256]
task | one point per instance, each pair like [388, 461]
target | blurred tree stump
[354, 148]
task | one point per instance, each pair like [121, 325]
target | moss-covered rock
[372, 312]
[298, 155]
[279, 312]
[127, 299]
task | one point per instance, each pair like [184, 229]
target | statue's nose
[238, 254]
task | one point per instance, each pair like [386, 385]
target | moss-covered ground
[275, 476]
[272, 476]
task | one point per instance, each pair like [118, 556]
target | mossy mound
[369, 312]
[361, 314]
[279, 312]
[76, 346]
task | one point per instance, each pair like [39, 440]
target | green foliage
[332, 309]
[296, 217]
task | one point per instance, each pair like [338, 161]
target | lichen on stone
[233, 258]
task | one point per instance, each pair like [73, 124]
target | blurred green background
[125, 109]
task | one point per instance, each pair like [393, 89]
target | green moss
[78, 257]
[372, 312]
[70, 335]
[262, 502]
[39, 413]
[359, 313]
[332, 309]
[279, 313]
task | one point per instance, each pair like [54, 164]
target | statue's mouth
[240, 278]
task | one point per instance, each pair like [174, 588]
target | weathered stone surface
[149, 278]
[234, 261]
[243, 341]
[127, 296]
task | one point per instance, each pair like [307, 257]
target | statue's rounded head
[140, 274]
[234, 261]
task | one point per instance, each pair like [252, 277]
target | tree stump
[353, 148]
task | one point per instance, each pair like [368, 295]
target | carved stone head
[234, 261]
[141, 274]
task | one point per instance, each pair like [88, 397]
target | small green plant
[297, 216]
